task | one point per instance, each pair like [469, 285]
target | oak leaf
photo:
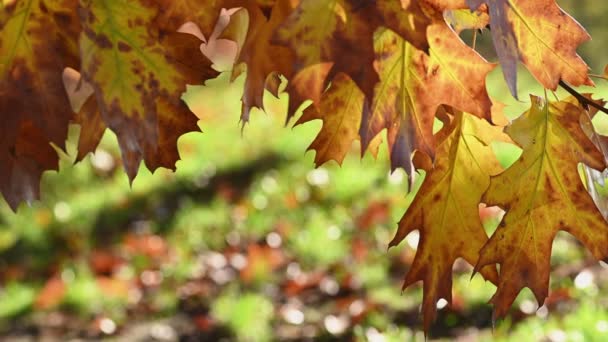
[329, 37]
[464, 19]
[445, 210]
[38, 39]
[265, 61]
[340, 109]
[542, 194]
[139, 69]
[413, 85]
[542, 36]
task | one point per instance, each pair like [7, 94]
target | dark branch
[585, 102]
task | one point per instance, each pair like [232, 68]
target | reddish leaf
[37, 41]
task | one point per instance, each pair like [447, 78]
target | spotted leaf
[542, 194]
[139, 69]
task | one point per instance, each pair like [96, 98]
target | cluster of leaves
[367, 66]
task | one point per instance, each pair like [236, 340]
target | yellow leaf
[465, 19]
[340, 109]
[542, 194]
[446, 208]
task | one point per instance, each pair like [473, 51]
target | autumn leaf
[464, 19]
[446, 208]
[139, 71]
[542, 194]
[38, 39]
[329, 37]
[413, 85]
[441, 5]
[542, 36]
[87, 115]
[340, 109]
[406, 19]
[51, 294]
[204, 13]
[265, 61]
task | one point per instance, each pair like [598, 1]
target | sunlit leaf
[542, 194]
[138, 70]
[445, 210]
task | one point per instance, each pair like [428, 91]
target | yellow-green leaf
[139, 69]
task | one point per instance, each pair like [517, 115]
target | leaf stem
[585, 102]
[605, 78]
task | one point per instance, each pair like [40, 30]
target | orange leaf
[542, 36]
[413, 85]
[51, 294]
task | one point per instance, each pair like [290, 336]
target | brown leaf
[204, 13]
[265, 61]
[87, 116]
[344, 43]
[377, 212]
[261, 261]
[407, 19]
[51, 294]
[37, 41]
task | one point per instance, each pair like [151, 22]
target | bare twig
[585, 102]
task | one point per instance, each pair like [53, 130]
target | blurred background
[248, 241]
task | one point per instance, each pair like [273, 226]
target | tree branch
[585, 102]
